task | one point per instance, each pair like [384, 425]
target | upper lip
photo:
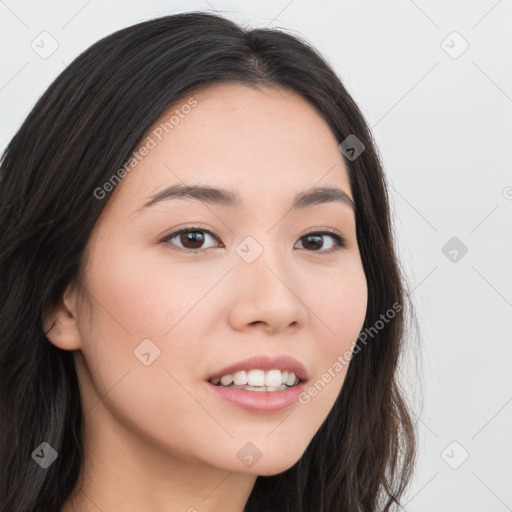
[264, 362]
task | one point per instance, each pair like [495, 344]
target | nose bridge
[266, 290]
[261, 261]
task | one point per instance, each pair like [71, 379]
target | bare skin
[156, 439]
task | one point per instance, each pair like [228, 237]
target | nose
[267, 296]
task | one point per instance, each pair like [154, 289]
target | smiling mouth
[246, 386]
[258, 380]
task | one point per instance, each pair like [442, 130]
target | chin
[272, 465]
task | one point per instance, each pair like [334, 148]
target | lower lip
[261, 402]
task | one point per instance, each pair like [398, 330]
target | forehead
[258, 142]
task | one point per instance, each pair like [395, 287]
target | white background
[443, 127]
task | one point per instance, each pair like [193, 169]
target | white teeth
[240, 378]
[260, 380]
[290, 380]
[260, 388]
[256, 378]
[273, 378]
[226, 380]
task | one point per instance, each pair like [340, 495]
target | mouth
[257, 399]
[258, 380]
[261, 373]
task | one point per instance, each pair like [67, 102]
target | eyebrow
[231, 199]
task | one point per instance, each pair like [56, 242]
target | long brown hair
[80, 132]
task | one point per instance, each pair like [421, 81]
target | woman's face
[159, 320]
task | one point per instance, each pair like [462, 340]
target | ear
[61, 321]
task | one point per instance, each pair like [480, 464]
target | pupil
[193, 238]
[318, 240]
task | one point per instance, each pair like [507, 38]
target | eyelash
[340, 241]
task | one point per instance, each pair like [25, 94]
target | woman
[201, 307]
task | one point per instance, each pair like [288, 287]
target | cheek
[133, 302]
[339, 301]
[339, 312]
[148, 295]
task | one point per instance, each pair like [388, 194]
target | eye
[314, 241]
[191, 239]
